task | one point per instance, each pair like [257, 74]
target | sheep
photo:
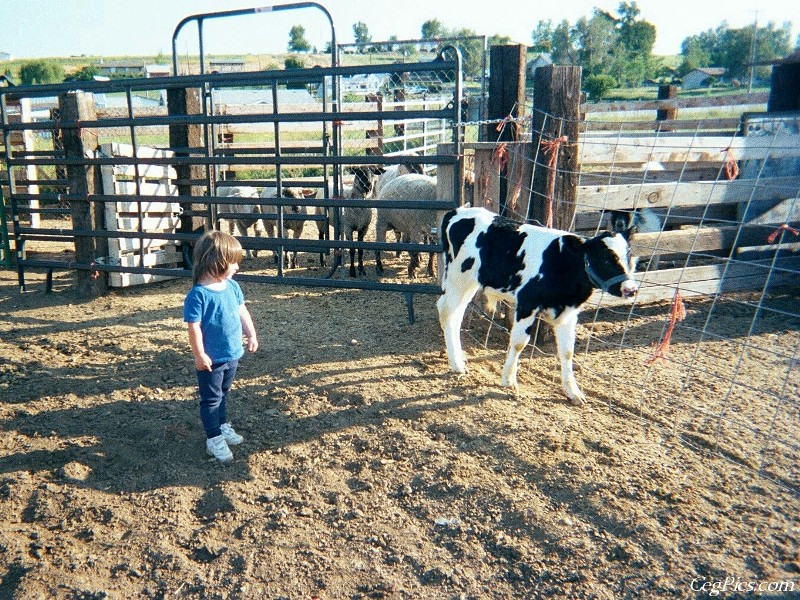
[239, 225]
[632, 222]
[295, 226]
[352, 219]
[639, 220]
[415, 225]
[389, 174]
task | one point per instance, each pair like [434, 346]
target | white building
[699, 77]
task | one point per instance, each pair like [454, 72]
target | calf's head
[608, 264]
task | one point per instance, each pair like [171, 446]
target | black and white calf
[544, 272]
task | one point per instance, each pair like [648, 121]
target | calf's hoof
[576, 399]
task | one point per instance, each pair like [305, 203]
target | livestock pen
[367, 470]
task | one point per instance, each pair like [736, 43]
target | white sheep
[414, 225]
[239, 225]
[293, 225]
[391, 173]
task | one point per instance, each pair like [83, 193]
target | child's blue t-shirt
[217, 311]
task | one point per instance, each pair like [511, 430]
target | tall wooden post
[377, 133]
[400, 104]
[555, 127]
[506, 91]
[84, 180]
[183, 137]
[784, 93]
[666, 92]
[506, 99]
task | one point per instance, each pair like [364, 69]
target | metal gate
[142, 166]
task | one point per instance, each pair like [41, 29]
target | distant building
[157, 71]
[235, 65]
[699, 77]
[542, 60]
[120, 69]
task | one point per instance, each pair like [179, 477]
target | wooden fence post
[376, 134]
[182, 137]
[556, 113]
[84, 180]
[400, 104]
[506, 99]
[506, 90]
[666, 92]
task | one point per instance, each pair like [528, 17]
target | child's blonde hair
[213, 253]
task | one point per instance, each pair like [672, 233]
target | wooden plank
[614, 197]
[149, 207]
[729, 125]
[129, 279]
[169, 255]
[700, 239]
[118, 149]
[658, 286]
[157, 172]
[117, 246]
[149, 224]
[695, 102]
[145, 188]
[625, 149]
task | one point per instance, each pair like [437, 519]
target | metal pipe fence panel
[262, 132]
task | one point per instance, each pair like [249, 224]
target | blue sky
[43, 28]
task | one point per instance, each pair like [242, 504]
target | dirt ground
[366, 471]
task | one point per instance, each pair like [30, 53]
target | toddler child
[216, 317]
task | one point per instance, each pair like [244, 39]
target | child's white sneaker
[218, 448]
[230, 435]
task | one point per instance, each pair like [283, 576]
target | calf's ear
[572, 244]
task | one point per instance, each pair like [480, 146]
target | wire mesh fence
[708, 352]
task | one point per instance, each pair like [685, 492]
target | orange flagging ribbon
[678, 313]
[731, 168]
[785, 227]
[550, 148]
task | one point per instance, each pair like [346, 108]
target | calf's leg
[565, 341]
[451, 306]
[518, 339]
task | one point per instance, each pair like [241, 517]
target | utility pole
[753, 53]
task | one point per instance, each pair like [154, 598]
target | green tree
[297, 39]
[596, 38]
[598, 86]
[41, 71]
[499, 40]
[471, 47]
[86, 73]
[733, 49]
[563, 47]
[433, 30]
[361, 33]
[620, 46]
[543, 37]
[294, 62]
